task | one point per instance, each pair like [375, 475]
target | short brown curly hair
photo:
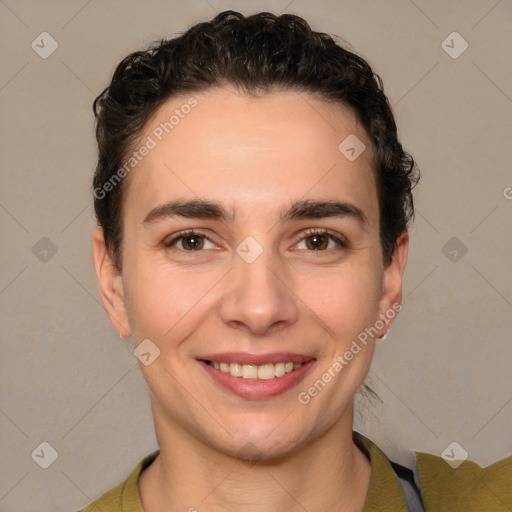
[256, 54]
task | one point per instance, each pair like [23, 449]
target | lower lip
[257, 389]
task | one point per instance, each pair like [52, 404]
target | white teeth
[235, 369]
[279, 369]
[266, 372]
[251, 371]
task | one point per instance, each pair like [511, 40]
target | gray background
[67, 379]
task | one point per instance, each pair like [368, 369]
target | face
[252, 240]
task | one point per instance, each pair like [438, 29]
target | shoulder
[462, 485]
[125, 496]
[110, 501]
[437, 484]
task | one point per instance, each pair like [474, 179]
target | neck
[328, 473]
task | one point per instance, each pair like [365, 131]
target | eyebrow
[309, 209]
[206, 209]
[193, 208]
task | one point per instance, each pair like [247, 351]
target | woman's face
[253, 286]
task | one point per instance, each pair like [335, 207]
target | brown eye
[190, 241]
[316, 240]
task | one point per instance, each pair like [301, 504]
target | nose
[258, 297]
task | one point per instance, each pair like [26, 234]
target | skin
[255, 156]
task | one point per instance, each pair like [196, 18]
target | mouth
[251, 371]
[257, 377]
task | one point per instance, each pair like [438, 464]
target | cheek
[163, 300]
[346, 300]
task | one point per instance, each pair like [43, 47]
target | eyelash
[341, 242]
[307, 234]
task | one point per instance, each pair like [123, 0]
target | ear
[111, 284]
[391, 296]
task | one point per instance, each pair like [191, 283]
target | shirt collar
[385, 492]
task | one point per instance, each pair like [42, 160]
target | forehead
[252, 151]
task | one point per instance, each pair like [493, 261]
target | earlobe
[110, 284]
[391, 296]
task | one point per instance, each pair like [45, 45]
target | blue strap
[411, 490]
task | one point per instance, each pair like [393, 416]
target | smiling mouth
[256, 372]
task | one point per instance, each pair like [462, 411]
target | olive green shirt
[468, 488]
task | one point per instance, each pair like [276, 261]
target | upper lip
[256, 359]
